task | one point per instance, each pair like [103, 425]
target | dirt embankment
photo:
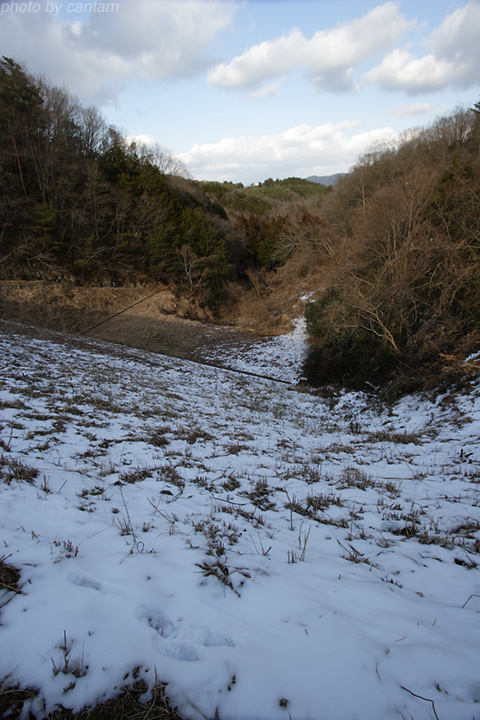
[69, 308]
[150, 318]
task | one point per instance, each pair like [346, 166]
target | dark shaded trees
[77, 200]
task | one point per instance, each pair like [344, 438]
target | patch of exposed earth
[147, 318]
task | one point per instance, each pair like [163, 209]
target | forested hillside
[79, 202]
[389, 256]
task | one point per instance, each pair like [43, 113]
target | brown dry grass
[266, 306]
[157, 324]
[9, 576]
[273, 300]
[67, 307]
[15, 702]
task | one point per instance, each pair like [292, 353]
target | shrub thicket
[406, 223]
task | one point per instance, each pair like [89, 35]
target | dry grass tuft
[14, 469]
[13, 700]
[9, 576]
[14, 704]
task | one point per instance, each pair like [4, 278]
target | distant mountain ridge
[325, 179]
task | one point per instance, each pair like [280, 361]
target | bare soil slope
[150, 318]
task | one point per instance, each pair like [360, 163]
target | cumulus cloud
[329, 58]
[146, 139]
[267, 91]
[415, 109]
[401, 71]
[453, 61]
[458, 34]
[298, 151]
[261, 62]
[95, 55]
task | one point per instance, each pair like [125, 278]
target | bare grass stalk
[171, 520]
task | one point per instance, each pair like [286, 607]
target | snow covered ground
[268, 553]
[279, 357]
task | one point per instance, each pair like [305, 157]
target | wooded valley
[389, 257]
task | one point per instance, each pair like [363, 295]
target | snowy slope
[280, 357]
[269, 554]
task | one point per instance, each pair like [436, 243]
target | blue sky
[244, 90]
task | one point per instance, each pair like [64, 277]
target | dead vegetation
[12, 468]
[9, 576]
[134, 702]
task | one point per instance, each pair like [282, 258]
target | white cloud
[267, 91]
[94, 56]
[147, 140]
[298, 151]
[261, 62]
[416, 109]
[401, 71]
[453, 61]
[330, 57]
[458, 35]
